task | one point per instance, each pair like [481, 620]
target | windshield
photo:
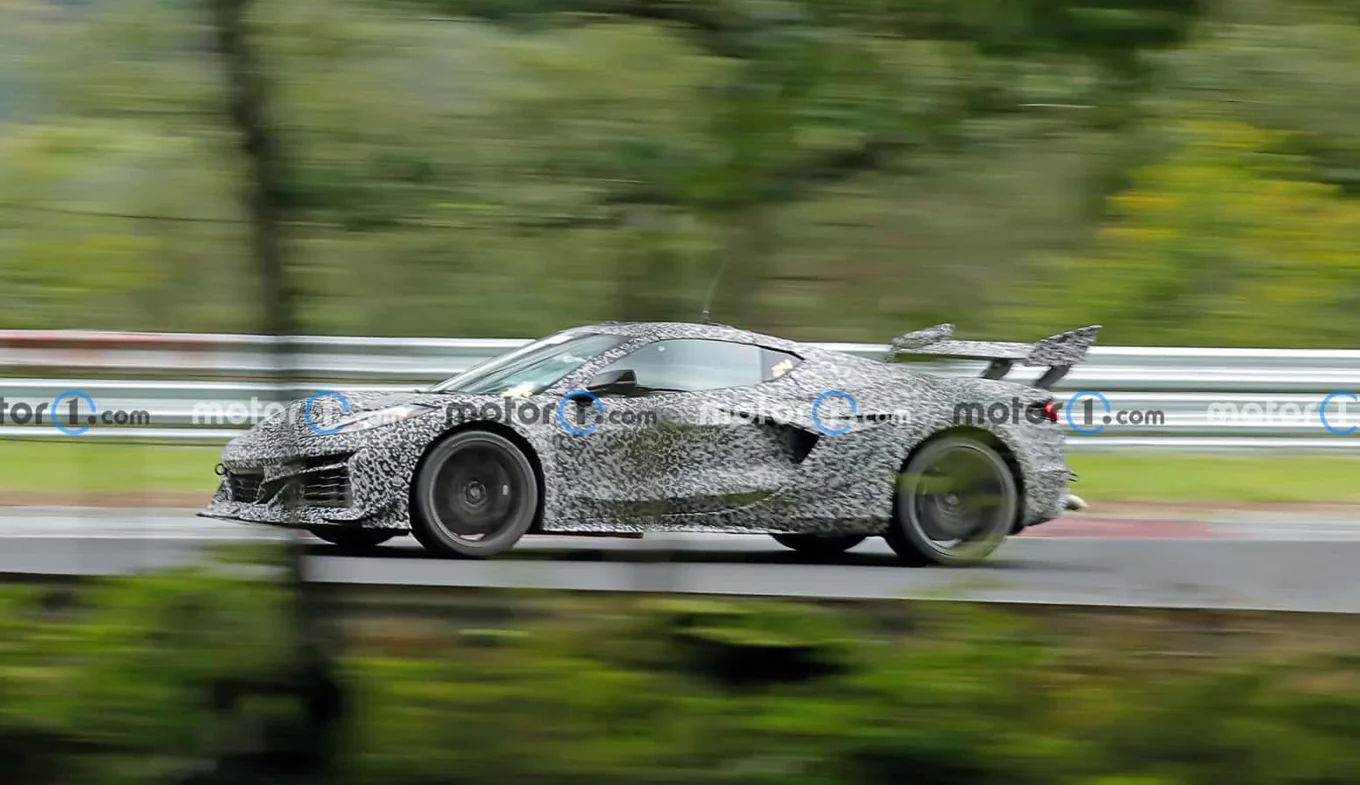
[531, 369]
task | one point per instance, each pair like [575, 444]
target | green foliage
[967, 696]
[1285, 66]
[566, 161]
[511, 168]
[126, 670]
[1226, 242]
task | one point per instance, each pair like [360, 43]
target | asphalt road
[1275, 565]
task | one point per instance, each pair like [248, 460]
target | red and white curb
[1127, 528]
[1083, 527]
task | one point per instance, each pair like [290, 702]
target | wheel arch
[990, 439]
[500, 429]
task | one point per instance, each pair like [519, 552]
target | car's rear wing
[1059, 352]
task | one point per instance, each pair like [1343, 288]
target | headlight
[389, 416]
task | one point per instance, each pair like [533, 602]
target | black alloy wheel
[475, 495]
[957, 499]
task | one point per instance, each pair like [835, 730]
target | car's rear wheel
[475, 495]
[816, 545]
[352, 538]
[957, 499]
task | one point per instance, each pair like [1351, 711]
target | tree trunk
[307, 751]
[265, 197]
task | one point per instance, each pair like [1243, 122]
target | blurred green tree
[1279, 65]
[1225, 243]
[815, 95]
[861, 165]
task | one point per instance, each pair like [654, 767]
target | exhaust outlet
[1074, 502]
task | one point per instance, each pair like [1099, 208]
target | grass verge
[84, 472]
[1171, 478]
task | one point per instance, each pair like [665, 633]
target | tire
[474, 484]
[352, 538]
[939, 483]
[815, 545]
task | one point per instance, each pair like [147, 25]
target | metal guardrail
[169, 374]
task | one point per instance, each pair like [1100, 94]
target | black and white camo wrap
[691, 471]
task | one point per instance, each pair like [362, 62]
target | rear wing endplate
[1059, 352]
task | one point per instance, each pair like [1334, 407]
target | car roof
[660, 331]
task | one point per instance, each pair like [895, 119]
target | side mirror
[620, 382]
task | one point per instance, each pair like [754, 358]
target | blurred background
[1185, 173]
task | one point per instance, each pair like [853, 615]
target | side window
[776, 363]
[689, 365]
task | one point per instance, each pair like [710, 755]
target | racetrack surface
[1294, 565]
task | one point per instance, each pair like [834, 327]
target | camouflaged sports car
[627, 428]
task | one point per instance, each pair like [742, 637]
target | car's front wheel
[475, 495]
[957, 499]
[816, 545]
[352, 538]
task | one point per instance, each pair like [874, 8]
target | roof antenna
[712, 286]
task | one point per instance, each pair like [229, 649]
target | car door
[688, 438]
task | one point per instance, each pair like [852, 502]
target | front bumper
[337, 489]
